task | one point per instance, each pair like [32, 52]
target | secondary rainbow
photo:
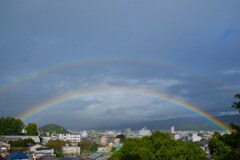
[99, 60]
[68, 97]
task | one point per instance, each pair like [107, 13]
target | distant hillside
[53, 128]
[187, 123]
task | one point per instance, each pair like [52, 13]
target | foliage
[10, 126]
[22, 143]
[236, 105]
[113, 149]
[158, 146]
[227, 146]
[94, 147]
[31, 129]
[85, 146]
[53, 128]
[56, 144]
[121, 136]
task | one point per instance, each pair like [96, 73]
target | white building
[144, 132]
[70, 137]
[7, 138]
[195, 138]
[176, 136]
[39, 150]
[71, 150]
[101, 149]
[84, 134]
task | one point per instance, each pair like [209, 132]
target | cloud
[228, 113]
[232, 71]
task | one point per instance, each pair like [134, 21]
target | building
[36, 151]
[4, 138]
[96, 157]
[84, 134]
[70, 137]
[104, 140]
[71, 150]
[17, 155]
[42, 152]
[101, 149]
[144, 132]
[117, 140]
[176, 136]
[4, 146]
[127, 132]
[45, 139]
[195, 138]
[172, 130]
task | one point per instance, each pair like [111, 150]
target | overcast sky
[188, 50]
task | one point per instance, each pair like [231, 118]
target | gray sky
[199, 40]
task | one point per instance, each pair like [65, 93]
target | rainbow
[71, 96]
[11, 84]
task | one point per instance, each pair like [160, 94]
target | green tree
[227, 146]
[113, 149]
[56, 144]
[10, 126]
[94, 147]
[236, 105]
[85, 146]
[121, 136]
[31, 129]
[158, 146]
[22, 143]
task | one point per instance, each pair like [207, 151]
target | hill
[53, 128]
[187, 123]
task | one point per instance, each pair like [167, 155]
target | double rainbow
[101, 60]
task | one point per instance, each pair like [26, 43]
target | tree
[121, 136]
[22, 143]
[11, 126]
[94, 147]
[113, 149]
[85, 146]
[227, 146]
[236, 105]
[56, 144]
[158, 146]
[31, 129]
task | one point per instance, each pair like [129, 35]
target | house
[45, 139]
[48, 158]
[71, 150]
[17, 155]
[96, 157]
[3, 148]
[6, 138]
[34, 147]
[5, 144]
[42, 151]
[36, 151]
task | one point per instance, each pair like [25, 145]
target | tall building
[84, 134]
[144, 132]
[172, 130]
[127, 132]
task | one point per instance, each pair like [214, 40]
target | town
[87, 144]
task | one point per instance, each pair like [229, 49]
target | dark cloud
[191, 52]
